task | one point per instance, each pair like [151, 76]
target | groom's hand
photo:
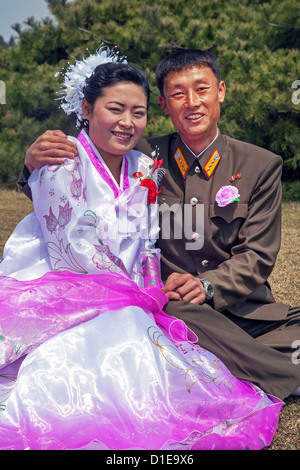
[51, 148]
[184, 287]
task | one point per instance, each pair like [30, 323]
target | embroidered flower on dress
[104, 259]
[63, 219]
[226, 195]
[51, 221]
[76, 187]
[64, 215]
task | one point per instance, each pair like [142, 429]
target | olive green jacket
[241, 240]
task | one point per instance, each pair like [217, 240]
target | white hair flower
[75, 79]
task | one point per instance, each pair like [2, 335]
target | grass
[284, 281]
[13, 208]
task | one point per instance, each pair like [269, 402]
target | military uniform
[234, 249]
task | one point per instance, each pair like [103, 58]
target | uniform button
[205, 262]
[195, 236]
[197, 169]
[193, 201]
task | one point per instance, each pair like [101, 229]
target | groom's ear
[163, 104]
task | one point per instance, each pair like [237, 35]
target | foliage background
[256, 43]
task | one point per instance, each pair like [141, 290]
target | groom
[219, 289]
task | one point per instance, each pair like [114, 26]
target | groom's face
[192, 97]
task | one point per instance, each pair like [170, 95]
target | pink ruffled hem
[61, 300]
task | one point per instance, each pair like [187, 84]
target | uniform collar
[201, 153]
[206, 162]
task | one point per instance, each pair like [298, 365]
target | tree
[255, 42]
[4, 44]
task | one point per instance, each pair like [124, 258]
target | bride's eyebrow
[122, 104]
[116, 102]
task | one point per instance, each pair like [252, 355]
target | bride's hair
[112, 73]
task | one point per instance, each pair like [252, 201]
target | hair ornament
[75, 79]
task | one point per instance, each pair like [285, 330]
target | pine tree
[256, 44]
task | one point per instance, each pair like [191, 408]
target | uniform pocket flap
[230, 212]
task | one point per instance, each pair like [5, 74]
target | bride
[89, 359]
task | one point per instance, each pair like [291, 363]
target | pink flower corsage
[227, 195]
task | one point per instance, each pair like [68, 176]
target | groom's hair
[185, 59]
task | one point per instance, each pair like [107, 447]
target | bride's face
[117, 119]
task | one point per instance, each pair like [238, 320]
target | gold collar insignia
[212, 163]
[181, 162]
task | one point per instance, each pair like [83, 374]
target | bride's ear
[86, 109]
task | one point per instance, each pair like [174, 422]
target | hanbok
[88, 358]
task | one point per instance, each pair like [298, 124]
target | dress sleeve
[70, 229]
[150, 256]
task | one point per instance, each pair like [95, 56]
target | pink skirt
[92, 361]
